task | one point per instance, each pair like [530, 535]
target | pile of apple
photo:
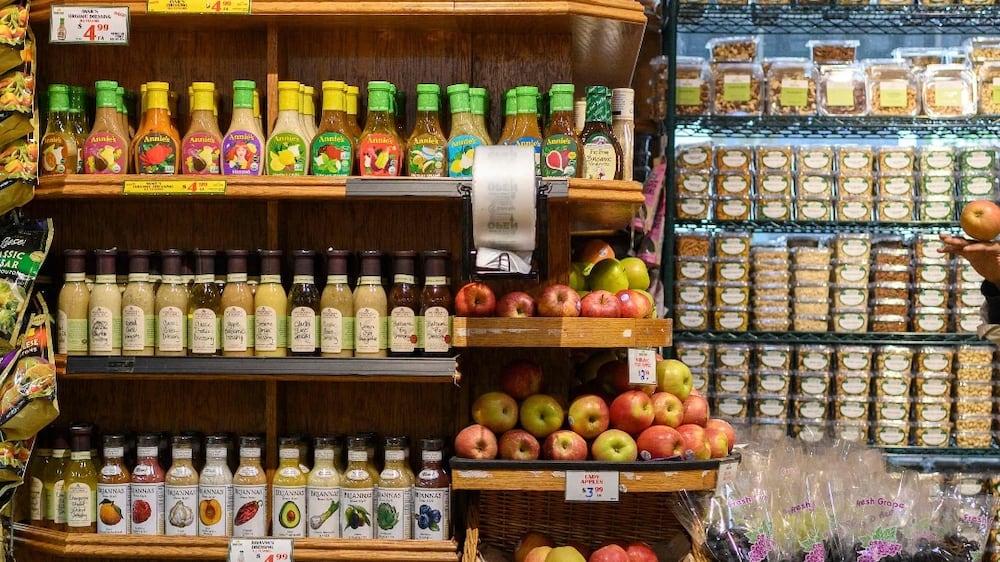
[609, 419]
[603, 287]
[537, 547]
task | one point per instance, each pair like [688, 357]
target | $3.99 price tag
[260, 550]
[641, 366]
[590, 486]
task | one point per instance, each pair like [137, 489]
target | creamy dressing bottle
[323, 490]
[215, 490]
[370, 304]
[336, 308]
[288, 492]
[287, 147]
[74, 306]
[106, 150]
[270, 308]
[202, 145]
[181, 490]
[171, 306]
[250, 509]
[395, 494]
[105, 337]
[237, 307]
[243, 145]
[138, 307]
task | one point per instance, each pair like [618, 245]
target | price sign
[198, 7]
[591, 486]
[726, 475]
[260, 550]
[89, 24]
[641, 366]
[175, 187]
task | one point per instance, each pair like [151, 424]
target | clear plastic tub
[920, 57]
[894, 209]
[851, 273]
[851, 247]
[811, 256]
[983, 48]
[733, 356]
[732, 245]
[811, 322]
[896, 185]
[774, 407]
[893, 88]
[774, 356]
[969, 298]
[933, 410]
[932, 274]
[937, 183]
[891, 434]
[805, 293]
[733, 184]
[949, 90]
[967, 320]
[775, 184]
[692, 244]
[827, 51]
[937, 159]
[896, 159]
[931, 434]
[852, 384]
[739, 89]
[742, 48]
[855, 209]
[695, 156]
[814, 307]
[895, 386]
[988, 80]
[732, 382]
[696, 355]
[811, 274]
[936, 208]
[814, 357]
[814, 186]
[790, 88]
[815, 159]
[849, 320]
[849, 297]
[841, 90]
[977, 185]
[855, 160]
[732, 406]
[733, 158]
[694, 86]
[732, 207]
[810, 209]
[773, 382]
[774, 158]
[978, 159]
[691, 317]
[693, 208]
[929, 246]
[774, 207]
[732, 271]
[935, 297]
[731, 318]
[886, 410]
[811, 385]
[886, 323]
[856, 358]
[693, 293]
[692, 269]
[852, 431]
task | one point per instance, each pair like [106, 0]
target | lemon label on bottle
[332, 154]
[461, 153]
[286, 155]
[378, 155]
[425, 157]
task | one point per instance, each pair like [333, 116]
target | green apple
[652, 312]
[609, 275]
[578, 276]
[637, 272]
[614, 445]
[565, 554]
[674, 376]
[541, 415]
[495, 410]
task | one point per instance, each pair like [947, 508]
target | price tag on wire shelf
[260, 550]
[641, 366]
[175, 187]
[92, 25]
[198, 7]
[726, 475]
[591, 486]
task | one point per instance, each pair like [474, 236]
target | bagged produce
[13, 23]
[18, 170]
[24, 244]
[28, 388]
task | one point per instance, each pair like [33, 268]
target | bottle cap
[371, 263]
[432, 444]
[403, 262]
[58, 97]
[236, 261]
[138, 261]
[303, 262]
[336, 261]
[270, 262]
[434, 263]
[204, 261]
[80, 436]
[106, 261]
[171, 261]
[76, 260]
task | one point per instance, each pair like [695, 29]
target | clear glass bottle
[465, 136]
[59, 151]
[404, 305]
[114, 505]
[237, 307]
[561, 155]
[395, 494]
[181, 490]
[157, 144]
[106, 150]
[138, 307]
[250, 507]
[53, 482]
[427, 145]
[323, 490]
[436, 306]
[243, 145]
[287, 147]
[105, 320]
[303, 305]
[147, 487]
[205, 306]
[370, 308]
[602, 155]
[171, 306]
[201, 147]
[336, 308]
[74, 306]
[432, 494]
[358, 493]
[215, 490]
[80, 483]
[623, 125]
[288, 492]
[332, 149]
[78, 122]
[380, 148]
[270, 308]
[36, 477]
[478, 102]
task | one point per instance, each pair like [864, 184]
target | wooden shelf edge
[555, 480]
[562, 332]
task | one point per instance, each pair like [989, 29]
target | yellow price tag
[175, 187]
[198, 7]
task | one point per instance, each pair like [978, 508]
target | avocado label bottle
[171, 306]
[215, 490]
[426, 148]
[303, 306]
[106, 149]
[602, 155]
[323, 489]
[73, 307]
[204, 310]
[404, 304]
[156, 143]
[113, 500]
[243, 144]
[270, 308]
[333, 148]
[202, 146]
[561, 148]
[59, 148]
[288, 492]
[287, 149]
[464, 134]
[357, 493]
[436, 305]
[336, 308]
[237, 307]
[81, 484]
[138, 307]
[105, 307]
[370, 308]
[380, 148]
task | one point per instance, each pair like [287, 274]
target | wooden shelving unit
[562, 332]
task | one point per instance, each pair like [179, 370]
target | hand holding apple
[981, 220]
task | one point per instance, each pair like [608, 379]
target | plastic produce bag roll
[504, 195]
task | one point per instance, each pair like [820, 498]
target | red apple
[600, 304]
[589, 416]
[518, 444]
[694, 441]
[614, 445]
[634, 304]
[516, 304]
[718, 442]
[541, 415]
[496, 411]
[639, 551]
[667, 409]
[614, 378]
[724, 426]
[564, 445]
[476, 442]
[981, 220]
[609, 553]
[558, 300]
[632, 412]
[529, 541]
[521, 378]
[674, 376]
[659, 442]
[695, 410]
[475, 299]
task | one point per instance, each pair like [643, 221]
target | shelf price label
[726, 475]
[260, 550]
[241, 7]
[175, 187]
[641, 366]
[591, 486]
[90, 25]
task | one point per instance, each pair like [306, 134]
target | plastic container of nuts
[949, 90]
[773, 207]
[855, 358]
[988, 80]
[809, 293]
[936, 297]
[969, 297]
[928, 247]
[699, 380]
[852, 384]
[852, 431]
[814, 186]
[733, 184]
[932, 410]
[850, 247]
[850, 273]
[893, 185]
[811, 274]
[973, 422]
[695, 156]
[892, 410]
[893, 385]
[937, 159]
[935, 359]
[739, 89]
[855, 160]
[920, 57]
[936, 183]
[826, 51]
[694, 86]
[976, 185]
[732, 245]
[733, 158]
[897, 159]
[733, 356]
[806, 255]
[693, 208]
[855, 209]
[772, 382]
[887, 323]
[849, 320]
[891, 434]
[813, 384]
[974, 355]
[692, 268]
[694, 244]
[774, 356]
[973, 406]
[775, 184]
[983, 48]
[742, 48]
[693, 293]
[814, 357]
[774, 159]
[893, 88]
[694, 183]
[894, 209]
[732, 406]
[691, 317]
[734, 382]
[973, 440]
[790, 87]
[967, 320]
[895, 358]
[931, 434]
[696, 355]
[841, 90]
[849, 297]
[771, 406]
[977, 159]
[815, 159]
[935, 208]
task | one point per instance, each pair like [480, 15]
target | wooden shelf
[550, 476]
[74, 545]
[561, 332]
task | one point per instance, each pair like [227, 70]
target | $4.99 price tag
[641, 366]
[260, 550]
[89, 24]
[588, 486]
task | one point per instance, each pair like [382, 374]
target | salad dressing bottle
[113, 500]
[171, 306]
[215, 490]
[78, 122]
[323, 490]
[106, 150]
[380, 148]
[202, 145]
[59, 144]
[157, 143]
[370, 308]
[427, 145]
[105, 336]
[244, 141]
[257, 116]
[36, 475]
[333, 146]
[403, 304]
[336, 308]
[303, 306]
[73, 307]
[395, 494]
[250, 491]
[309, 113]
[357, 493]
[465, 136]
[526, 131]
[431, 494]
[436, 306]
[237, 308]
[54, 481]
[510, 116]
[288, 492]
[287, 153]
[147, 487]
[602, 155]
[270, 308]
[478, 100]
[181, 490]
[561, 155]
[80, 484]
[122, 113]
[138, 307]
[205, 306]
[353, 93]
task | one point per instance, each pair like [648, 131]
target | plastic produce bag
[24, 244]
[28, 391]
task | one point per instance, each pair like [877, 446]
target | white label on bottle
[58, 501]
[266, 329]
[215, 510]
[81, 505]
[288, 509]
[147, 508]
[358, 517]
[114, 509]
[392, 513]
[236, 329]
[101, 330]
[170, 331]
[366, 331]
[431, 513]
[181, 505]
[249, 500]
[402, 330]
[133, 328]
[62, 332]
[204, 331]
[331, 330]
[437, 330]
[302, 323]
[324, 507]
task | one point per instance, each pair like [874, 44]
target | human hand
[983, 256]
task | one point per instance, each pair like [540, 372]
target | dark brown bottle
[436, 307]
[303, 306]
[602, 154]
[205, 308]
[404, 305]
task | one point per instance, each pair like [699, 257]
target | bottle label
[204, 331]
[357, 513]
[289, 506]
[286, 155]
[157, 154]
[55, 503]
[36, 493]
[331, 154]
[600, 161]
[81, 505]
[237, 329]
[215, 510]
[392, 513]
[136, 335]
[181, 503]
[147, 508]
[402, 330]
[104, 153]
[560, 156]
[437, 330]
[241, 152]
[379, 155]
[425, 157]
[171, 332]
[56, 154]
[113, 509]
[461, 151]
[431, 513]
[536, 144]
[201, 154]
[334, 334]
[270, 329]
[302, 322]
[250, 511]
[75, 332]
[105, 330]
[324, 512]
[369, 331]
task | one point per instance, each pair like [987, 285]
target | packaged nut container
[852, 247]
[695, 156]
[813, 385]
[770, 406]
[696, 355]
[743, 48]
[815, 159]
[855, 160]
[733, 356]
[932, 409]
[732, 245]
[733, 382]
[772, 382]
[892, 185]
[894, 209]
[983, 49]
[855, 358]
[733, 184]
[769, 257]
[738, 87]
[814, 357]
[806, 294]
[791, 87]
[989, 88]
[814, 186]
[774, 158]
[893, 88]
[967, 320]
[692, 268]
[692, 244]
[932, 385]
[964, 273]
[691, 317]
[949, 90]
[771, 323]
[855, 209]
[892, 256]
[974, 440]
[976, 185]
[891, 434]
[931, 434]
[825, 51]
[891, 306]
[841, 90]
[699, 380]
[693, 208]
[694, 86]
[852, 431]
[933, 274]
[973, 405]
[733, 158]
[971, 297]
[891, 384]
[693, 183]
[887, 323]
[849, 320]
[937, 183]
[852, 384]
[850, 273]
[937, 159]
[849, 297]
[970, 354]
[731, 318]
[732, 406]
[928, 319]
[974, 374]
[892, 410]
[936, 208]
[808, 255]
[776, 208]
[881, 290]
[732, 207]
[973, 422]
[933, 297]
[732, 271]
[693, 293]
[928, 247]
[809, 408]
[811, 274]
[774, 184]
[897, 159]
[814, 209]
[774, 357]
[859, 188]
[920, 57]
[977, 158]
